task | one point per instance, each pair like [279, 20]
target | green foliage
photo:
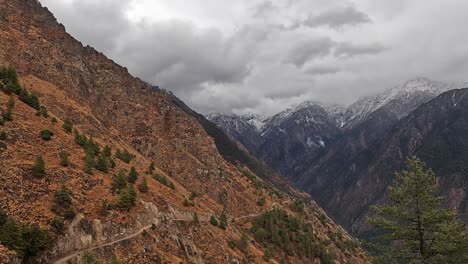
[42, 112]
[62, 204]
[267, 254]
[127, 198]
[8, 115]
[38, 169]
[297, 206]
[104, 207]
[415, 228]
[80, 139]
[9, 78]
[289, 233]
[124, 155]
[46, 134]
[119, 182]
[192, 196]
[107, 152]
[26, 240]
[133, 175]
[254, 179]
[89, 162]
[223, 221]
[54, 120]
[243, 243]
[3, 135]
[143, 186]
[29, 99]
[151, 168]
[214, 221]
[67, 125]
[58, 224]
[102, 163]
[63, 156]
[90, 258]
[164, 181]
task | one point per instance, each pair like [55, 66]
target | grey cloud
[350, 50]
[178, 56]
[255, 61]
[322, 70]
[309, 50]
[264, 9]
[337, 18]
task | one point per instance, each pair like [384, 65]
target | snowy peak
[399, 100]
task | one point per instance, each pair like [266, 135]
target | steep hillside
[99, 165]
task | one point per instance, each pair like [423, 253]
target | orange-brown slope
[106, 102]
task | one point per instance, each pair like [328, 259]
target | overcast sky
[261, 56]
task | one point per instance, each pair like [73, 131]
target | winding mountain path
[71, 256]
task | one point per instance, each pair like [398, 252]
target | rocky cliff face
[105, 103]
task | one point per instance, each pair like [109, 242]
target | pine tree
[102, 164]
[416, 228]
[63, 155]
[119, 182]
[38, 169]
[151, 168]
[223, 221]
[143, 186]
[67, 125]
[214, 221]
[127, 198]
[243, 242]
[88, 162]
[107, 152]
[132, 175]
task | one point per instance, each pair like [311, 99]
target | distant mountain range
[345, 157]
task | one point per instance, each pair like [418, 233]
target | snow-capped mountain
[300, 133]
[399, 100]
[245, 129]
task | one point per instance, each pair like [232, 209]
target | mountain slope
[356, 171]
[82, 208]
[399, 100]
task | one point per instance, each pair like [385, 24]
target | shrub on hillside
[38, 169]
[124, 155]
[46, 134]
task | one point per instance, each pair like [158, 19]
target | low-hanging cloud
[337, 18]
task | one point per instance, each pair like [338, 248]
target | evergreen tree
[119, 182]
[67, 125]
[213, 220]
[416, 229]
[88, 162]
[223, 221]
[107, 152]
[38, 169]
[62, 203]
[243, 242]
[127, 198]
[151, 168]
[132, 175]
[63, 155]
[102, 164]
[143, 186]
